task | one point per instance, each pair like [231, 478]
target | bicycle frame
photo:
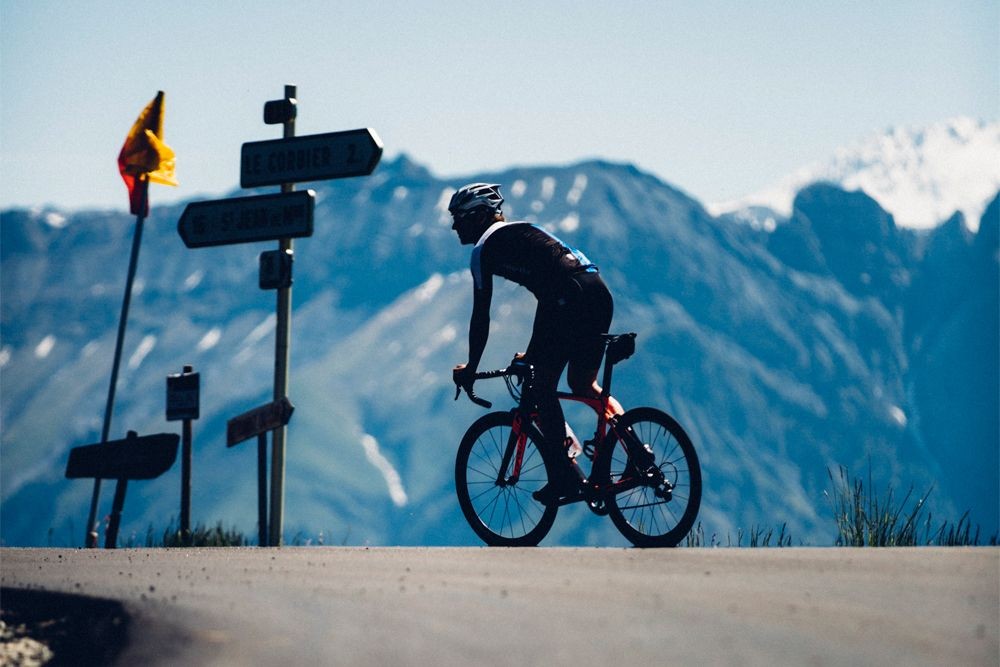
[598, 405]
[617, 349]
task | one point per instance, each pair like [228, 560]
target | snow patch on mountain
[392, 479]
[146, 346]
[920, 175]
[43, 348]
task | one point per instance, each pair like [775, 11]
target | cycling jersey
[574, 308]
[528, 255]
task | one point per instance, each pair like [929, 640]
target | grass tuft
[866, 519]
[200, 536]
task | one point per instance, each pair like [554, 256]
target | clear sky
[717, 98]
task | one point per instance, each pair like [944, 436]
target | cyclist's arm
[479, 325]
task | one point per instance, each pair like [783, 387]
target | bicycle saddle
[620, 346]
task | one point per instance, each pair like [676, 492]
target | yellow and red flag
[144, 157]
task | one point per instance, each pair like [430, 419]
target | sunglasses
[470, 216]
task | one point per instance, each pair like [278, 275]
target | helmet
[474, 195]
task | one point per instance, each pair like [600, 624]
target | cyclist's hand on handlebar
[463, 377]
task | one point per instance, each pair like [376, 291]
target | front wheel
[655, 478]
[494, 483]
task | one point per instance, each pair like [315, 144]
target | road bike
[644, 471]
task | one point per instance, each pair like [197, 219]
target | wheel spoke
[502, 513]
[639, 509]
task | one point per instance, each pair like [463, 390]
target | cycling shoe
[553, 492]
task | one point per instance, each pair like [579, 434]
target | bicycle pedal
[599, 507]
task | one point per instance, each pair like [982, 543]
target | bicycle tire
[501, 515]
[645, 518]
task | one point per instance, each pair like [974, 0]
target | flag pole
[91, 537]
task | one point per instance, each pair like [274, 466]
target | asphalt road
[358, 606]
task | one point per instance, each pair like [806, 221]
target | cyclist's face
[468, 225]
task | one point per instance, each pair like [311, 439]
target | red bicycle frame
[599, 405]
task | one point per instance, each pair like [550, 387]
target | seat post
[606, 379]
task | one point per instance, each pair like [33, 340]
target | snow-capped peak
[920, 175]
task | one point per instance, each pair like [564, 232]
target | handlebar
[472, 396]
[517, 369]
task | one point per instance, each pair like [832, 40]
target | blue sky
[717, 98]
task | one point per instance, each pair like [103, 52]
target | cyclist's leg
[547, 352]
[594, 314]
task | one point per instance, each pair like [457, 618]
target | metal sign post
[258, 422]
[283, 332]
[183, 400]
[280, 217]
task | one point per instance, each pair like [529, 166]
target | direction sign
[315, 157]
[247, 219]
[259, 420]
[183, 395]
[135, 457]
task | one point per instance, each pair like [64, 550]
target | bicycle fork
[513, 450]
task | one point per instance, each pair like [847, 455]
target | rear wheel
[654, 464]
[497, 505]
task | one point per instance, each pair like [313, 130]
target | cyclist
[574, 308]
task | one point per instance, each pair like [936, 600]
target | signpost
[282, 338]
[247, 219]
[280, 217]
[258, 422]
[183, 401]
[135, 457]
[275, 270]
[315, 157]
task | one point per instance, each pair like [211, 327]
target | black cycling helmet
[475, 195]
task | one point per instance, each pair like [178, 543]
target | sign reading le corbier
[315, 157]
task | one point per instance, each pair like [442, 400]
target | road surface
[451, 606]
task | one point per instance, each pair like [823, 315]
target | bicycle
[644, 470]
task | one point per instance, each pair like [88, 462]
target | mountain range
[832, 337]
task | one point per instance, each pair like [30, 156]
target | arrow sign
[257, 421]
[247, 219]
[135, 457]
[315, 157]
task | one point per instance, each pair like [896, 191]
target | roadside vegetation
[200, 536]
[209, 536]
[866, 518]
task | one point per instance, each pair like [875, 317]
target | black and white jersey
[528, 255]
